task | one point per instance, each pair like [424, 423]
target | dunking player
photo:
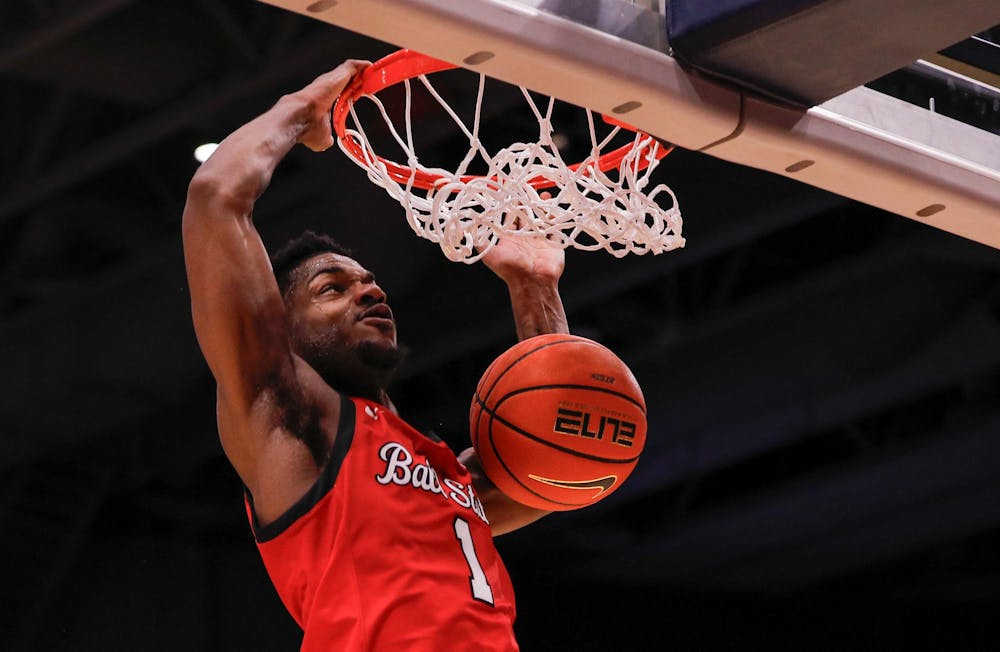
[375, 536]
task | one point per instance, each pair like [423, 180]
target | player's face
[340, 321]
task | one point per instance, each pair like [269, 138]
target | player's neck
[368, 389]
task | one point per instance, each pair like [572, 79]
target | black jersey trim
[323, 484]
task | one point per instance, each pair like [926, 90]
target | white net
[585, 207]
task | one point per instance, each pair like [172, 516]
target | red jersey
[390, 549]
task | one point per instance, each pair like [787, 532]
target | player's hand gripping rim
[320, 95]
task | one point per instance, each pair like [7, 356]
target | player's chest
[411, 480]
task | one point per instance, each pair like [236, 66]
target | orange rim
[407, 64]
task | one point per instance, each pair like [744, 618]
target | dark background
[823, 464]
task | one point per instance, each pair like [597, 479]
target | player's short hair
[299, 249]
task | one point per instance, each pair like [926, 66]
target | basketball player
[376, 537]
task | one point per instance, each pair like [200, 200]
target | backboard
[613, 56]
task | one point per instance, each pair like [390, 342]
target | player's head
[338, 317]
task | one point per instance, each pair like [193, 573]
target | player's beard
[362, 370]
[380, 356]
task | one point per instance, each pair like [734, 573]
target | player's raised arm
[239, 317]
[531, 267]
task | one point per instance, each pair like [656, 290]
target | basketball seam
[527, 353]
[511, 474]
[571, 386]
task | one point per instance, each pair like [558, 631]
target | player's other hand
[320, 96]
[519, 258]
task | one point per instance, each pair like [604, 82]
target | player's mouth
[379, 316]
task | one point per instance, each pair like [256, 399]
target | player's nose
[370, 293]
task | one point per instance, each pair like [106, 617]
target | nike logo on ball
[601, 484]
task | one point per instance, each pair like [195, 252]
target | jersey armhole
[322, 486]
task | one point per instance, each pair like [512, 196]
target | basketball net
[587, 207]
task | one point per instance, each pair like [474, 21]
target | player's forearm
[241, 168]
[505, 514]
[538, 308]
[238, 313]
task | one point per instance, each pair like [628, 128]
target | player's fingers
[330, 84]
[356, 66]
[320, 143]
[348, 69]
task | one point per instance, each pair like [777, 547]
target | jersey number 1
[480, 585]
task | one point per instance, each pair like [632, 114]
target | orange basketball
[558, 422]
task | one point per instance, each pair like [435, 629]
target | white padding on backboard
[549, 54]
[884, 152]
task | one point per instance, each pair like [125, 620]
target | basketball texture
[558, 422]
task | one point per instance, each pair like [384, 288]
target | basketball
[558, 422]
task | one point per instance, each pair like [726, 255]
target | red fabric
[376, 563]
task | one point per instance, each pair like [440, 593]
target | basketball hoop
[598, 203]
